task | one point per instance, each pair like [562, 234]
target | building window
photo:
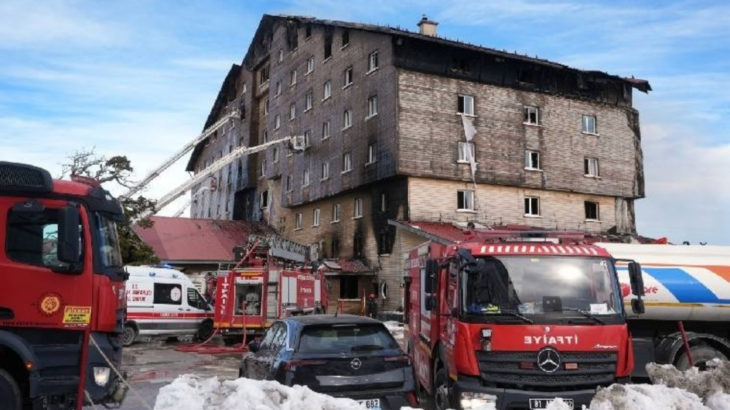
[348, 77]
[383, 202]
[590, 167]
[288, 184]
[465, 200]
[531, 115]
[305, 177]
[373, 61]
[589, 124]
[264, 199]
[308, 101]
[275, 154]
[532, 206]
[336, 212]
[298, 221]
[292, 111]
[266, 107]
[348, 287]
[372, 154]
[466, 151]
[278, 88]
[293, 77]
[345, 38]
[465, 104]
[346, 119]
[277, 121]
[591, 211]
[327, 90]
[532, 159]
[264, 75]
[263, 169]
[346, 162]
[327, 44]
[372, 106]
[315, 217]
[310, 65]
[308, 31]
[308, 138]
[265, 138]
[281, 55]
[325, 130]
[358, 208]
[325, 170]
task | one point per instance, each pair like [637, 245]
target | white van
[164, 302]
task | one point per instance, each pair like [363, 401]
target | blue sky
[139, 77]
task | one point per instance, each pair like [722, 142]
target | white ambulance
[163, 302]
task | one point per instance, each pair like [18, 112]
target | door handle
[6, 313]
[187, 310]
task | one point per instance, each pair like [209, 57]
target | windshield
[345, 338]
[109, 251]
[528, 286]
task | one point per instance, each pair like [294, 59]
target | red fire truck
[268, 284]
[63, 291]
[517, 321]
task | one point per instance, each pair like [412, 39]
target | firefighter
[372, 306]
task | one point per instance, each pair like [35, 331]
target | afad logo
[49, 303]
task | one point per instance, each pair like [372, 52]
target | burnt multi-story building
[405, 127]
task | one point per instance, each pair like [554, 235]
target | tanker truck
[682, 283]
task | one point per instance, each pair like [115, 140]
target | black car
[342, 356]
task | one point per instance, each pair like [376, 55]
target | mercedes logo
[356, 363]
[548, 360]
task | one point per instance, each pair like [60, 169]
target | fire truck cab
[516, 324]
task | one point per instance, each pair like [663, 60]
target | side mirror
[637, 306]
[636, 279]
[432, 268]
[68, 235]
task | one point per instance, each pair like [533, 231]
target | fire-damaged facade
[403, 126]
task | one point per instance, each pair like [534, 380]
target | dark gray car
[343, 356]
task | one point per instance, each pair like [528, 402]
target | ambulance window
[168, 293]
[195, 299]
[32, 238]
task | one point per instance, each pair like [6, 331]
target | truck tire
[205, 330]
[700, 354]
[10, 398]
[441, 395]
[129, 335]
[232, 340]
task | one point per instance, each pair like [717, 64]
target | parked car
[342, 356]
[164, 302]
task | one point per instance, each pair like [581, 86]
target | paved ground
[152, 365]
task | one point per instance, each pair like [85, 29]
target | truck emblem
[548, 360]
[355, 364]
[547, 329]
[50, 303]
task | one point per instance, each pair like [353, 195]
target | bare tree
[87, 162]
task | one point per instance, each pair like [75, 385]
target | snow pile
[396, 329]
[645, 396]
[712, 385]
[189, 392]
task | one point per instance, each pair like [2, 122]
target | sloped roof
[198, 240]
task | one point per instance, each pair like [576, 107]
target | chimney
[427, 27]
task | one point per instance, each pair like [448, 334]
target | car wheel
[701, 353]
[205, 330]
[10, 398]
[129, 335]
[441, 395]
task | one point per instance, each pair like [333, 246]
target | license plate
[373, 404]
[543, 403]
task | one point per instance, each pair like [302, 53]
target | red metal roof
[185, 239]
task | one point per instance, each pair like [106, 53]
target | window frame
[372, 154]
[527, 111]
[530, 202]
[530, 160]
[467, 199]
[327, 90]
[315, 217]
[357, 210]
[292, 112]
[346, 162]
[264, 199]
[461, 156]
[306, 180]
[292, 78]
[336, 212]
[373, 61]
[325, 171]
[298, 221]
[308, 101]
[591, 168]
[584, 129]
[372, 106]
[597, 210]
[461, 100]
[347, 119]
[348, 77]
[310, 65]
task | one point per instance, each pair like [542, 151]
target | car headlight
[477, 401]
[101, 375]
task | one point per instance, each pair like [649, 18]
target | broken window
[532, 206]
[465, 200]
[327, 43]
[308, 31]
[589, 124]
[345, 37]
[264, 199]
[532, 159]
[531, 115]
[348, 287]
[591, 210]
[466, 151]
[465, 104]
[590, 167]
[357, 245]
[373, 62]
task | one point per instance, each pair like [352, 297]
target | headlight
[477, 401]
[101, 375]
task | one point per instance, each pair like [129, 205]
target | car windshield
[345, 338]
[109, 251]
[521, 287]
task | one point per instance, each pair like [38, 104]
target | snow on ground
[396, 329]
[190, 392]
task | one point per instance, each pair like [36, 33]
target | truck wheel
[205, 330]
[10, 398]
[700, 354]
[441, 396]
[232, 340]
[129, 335]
